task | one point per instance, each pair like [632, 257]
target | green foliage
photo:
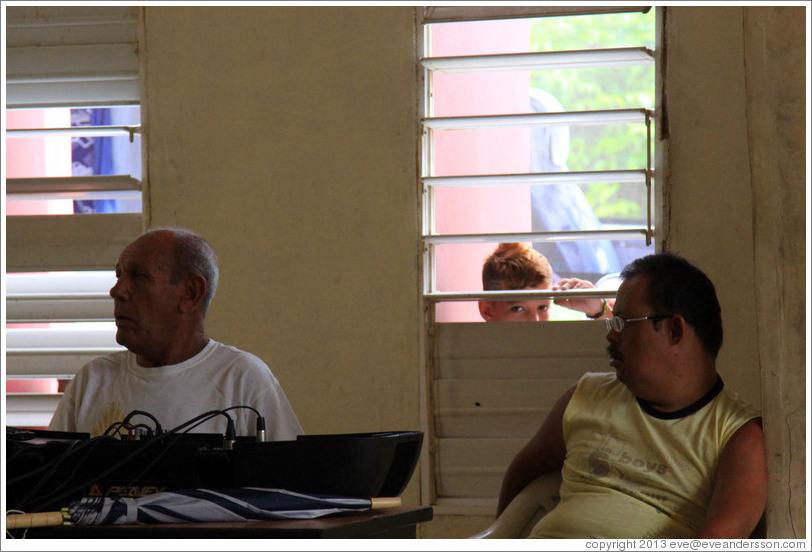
[606, 147]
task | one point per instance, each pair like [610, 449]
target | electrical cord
[161, 437]
[205, 417]
[260, 434]
[148, 445]
[158, 428]
[50, 468]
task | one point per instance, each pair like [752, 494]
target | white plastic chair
[530, 505]
[535, 501]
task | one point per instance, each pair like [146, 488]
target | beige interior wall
[777, 97]
[735, 102]
[288, 137]
[709, 184]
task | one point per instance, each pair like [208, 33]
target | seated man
[660, 448]
[517, 266]
[166, 279]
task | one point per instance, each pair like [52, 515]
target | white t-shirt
[108, 388]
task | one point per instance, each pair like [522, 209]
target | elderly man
[171, 370]
[659, 448]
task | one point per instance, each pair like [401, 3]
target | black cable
[208, 416]
[51, 467]
[73, 472]
[244, 406]
[148, 444]
[158, 428]
[260, 429]
[74, 448]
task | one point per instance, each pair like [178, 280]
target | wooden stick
[385, 502]
[39, 519]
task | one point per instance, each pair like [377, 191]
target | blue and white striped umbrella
[202, 505]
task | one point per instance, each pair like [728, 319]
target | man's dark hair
[675, 286]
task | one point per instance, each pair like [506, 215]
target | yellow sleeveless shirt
[631, 472]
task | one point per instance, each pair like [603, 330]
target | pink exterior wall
[38, 157]
[485, 152]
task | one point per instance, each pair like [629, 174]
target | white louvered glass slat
[578, 177]
[56, 351]
[536, 236]
[443, 14]
[569, 118]
[23, 409]
[62, 56]
[40, 187]
[60, 349]
[518, 294]
[54, 25]
[95, 131]
[62, 337]
[68, 242]
[495, 109]
[69, 58]
[576, 59]
[59, 308]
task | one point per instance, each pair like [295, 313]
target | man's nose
[116, 291]
[612, 336]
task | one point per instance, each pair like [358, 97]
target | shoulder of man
[231, 356]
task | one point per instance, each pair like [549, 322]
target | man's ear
[676, 326]
[193, 289]
[485, 310]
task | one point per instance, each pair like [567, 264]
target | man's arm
[740, 491]
[543, 453]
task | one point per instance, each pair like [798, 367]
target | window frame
[66, 57]
[430, 357]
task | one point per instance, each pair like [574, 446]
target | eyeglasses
[617, 323]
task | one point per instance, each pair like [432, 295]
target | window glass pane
[470, 38]
[539, 149]
[591, 203]
[578, 32]
[46, 155]
[514, 92]
[481, 151]
[468, 311]
[459, 265]
[553, 207]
